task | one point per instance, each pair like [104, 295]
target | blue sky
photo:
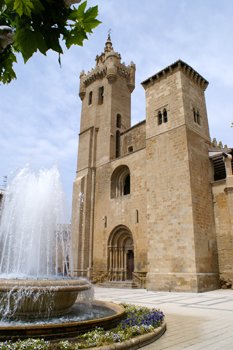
[40, 111]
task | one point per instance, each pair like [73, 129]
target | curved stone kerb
[137, 342]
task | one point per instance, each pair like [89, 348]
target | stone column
[125, 267]
[110, 263]
[121, 263]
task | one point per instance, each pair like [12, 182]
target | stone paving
[194, 321]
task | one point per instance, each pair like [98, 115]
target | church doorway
[120, 254]
[130, 264]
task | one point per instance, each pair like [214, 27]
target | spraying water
[35, 256]
[34, 234]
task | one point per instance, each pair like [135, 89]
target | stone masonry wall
[203, 213]
[223, 230]
[135, 137]
[121, 211]
[171, 246]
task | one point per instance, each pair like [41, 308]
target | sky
[40, 111]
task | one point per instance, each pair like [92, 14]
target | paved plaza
[194, 321]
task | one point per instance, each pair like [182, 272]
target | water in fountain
[35, 254]
[34, 234]
[34, 242]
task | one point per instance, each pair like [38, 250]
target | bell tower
[180, 216]
[105, 92]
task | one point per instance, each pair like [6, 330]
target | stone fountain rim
[120, 310]
[68, 284]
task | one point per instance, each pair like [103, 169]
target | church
[152, 203]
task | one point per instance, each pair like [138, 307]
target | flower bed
[137, 321]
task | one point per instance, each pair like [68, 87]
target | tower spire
[108, 45]
[109, 35]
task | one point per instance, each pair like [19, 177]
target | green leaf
[23, 7]
[39, 25]
[88, 26]
[40, 42]
[38, 7]
[6, 62]
[75, 36]
[10, 4]
[91, 13]
[27, 43]
[80, 10]
[89, 21]
[52, 40]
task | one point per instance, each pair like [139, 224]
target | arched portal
[120, 254]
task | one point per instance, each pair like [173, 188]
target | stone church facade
[152, 202]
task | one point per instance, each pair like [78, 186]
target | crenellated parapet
[108, 65]
[215, 145]
[181, 66]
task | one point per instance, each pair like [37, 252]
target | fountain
[37, 286]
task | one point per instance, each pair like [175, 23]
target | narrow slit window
[130, 149]
[160, 118]
[137, 216]
[101, 95]
[165, 115]
[90, 98]
[198, 118]
[117, 143]
[118, 123]
[194, 115]
[105, 222]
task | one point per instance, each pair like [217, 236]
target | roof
[188, 70]
[216, 155]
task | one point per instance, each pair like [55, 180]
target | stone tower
[106, 109]
[142, 198]
[182, 251]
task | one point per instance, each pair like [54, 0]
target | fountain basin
[23, 298]
[63, 330]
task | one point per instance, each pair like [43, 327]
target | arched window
[118, 121]
[90, 98]
[160, 118]
[120, 181]
[165, 115]
[117, 144]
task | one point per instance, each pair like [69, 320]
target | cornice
[180, 66]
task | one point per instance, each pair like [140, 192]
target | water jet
[35, 241]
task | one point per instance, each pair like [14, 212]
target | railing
[141, 276]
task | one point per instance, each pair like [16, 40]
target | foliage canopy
[39, 25]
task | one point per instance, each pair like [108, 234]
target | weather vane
[109, 33]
